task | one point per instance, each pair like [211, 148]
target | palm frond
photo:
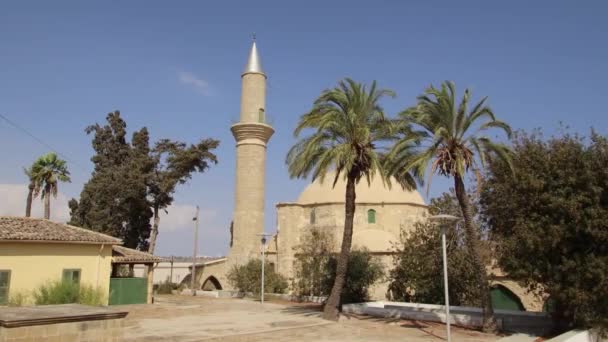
[444, 143]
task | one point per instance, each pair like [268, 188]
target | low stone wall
[70, 322]
[92, 331]
[269, 296]
[512, 321]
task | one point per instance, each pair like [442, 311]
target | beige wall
[32, 264]
[162, 271]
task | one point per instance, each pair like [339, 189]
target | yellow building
[34, 251]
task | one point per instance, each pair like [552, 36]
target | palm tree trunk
[47, 202]
[330, 312]
[154, 232]
[28, 203]
[473, 247]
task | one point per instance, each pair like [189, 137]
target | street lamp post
[194, 253]
[263, 264]
[445, 218]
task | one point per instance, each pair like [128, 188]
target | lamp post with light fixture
[445, 218]
[194, 253]
[263, 240]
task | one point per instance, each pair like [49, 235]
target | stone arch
[505, 299]
[211, 284]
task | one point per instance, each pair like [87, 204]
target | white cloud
[179, 216]
[12, 203]
[201, 86]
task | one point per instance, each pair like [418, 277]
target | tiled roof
[28, 229]
[124, 255]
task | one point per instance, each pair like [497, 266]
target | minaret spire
[254, 64]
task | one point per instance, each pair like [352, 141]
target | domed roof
[376, 192]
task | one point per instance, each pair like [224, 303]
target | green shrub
[66, 292]
[18, 299]
[247, 278]
[90, 295]
[363, 271]
[315, 268]
[312, 254]
[417, 275]
[166, 287]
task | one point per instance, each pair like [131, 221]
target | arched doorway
[505, 299]
[211, 284]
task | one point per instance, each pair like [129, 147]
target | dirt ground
[185, 318]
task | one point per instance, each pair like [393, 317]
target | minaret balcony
[252, 131]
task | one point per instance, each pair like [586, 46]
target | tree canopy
[417, 275]
[550, 221]
[45, 174]
[132, 182]
[174, 163]
[114, 200]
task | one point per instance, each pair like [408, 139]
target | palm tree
[30, 193]
[46, 172]
[348, 125]
[451, 141]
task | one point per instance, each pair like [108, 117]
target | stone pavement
[185, 318]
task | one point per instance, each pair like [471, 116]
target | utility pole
[193, 272]
[171, 274]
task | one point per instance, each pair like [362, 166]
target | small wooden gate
[128, 291]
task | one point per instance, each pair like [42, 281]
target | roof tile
[36, 229]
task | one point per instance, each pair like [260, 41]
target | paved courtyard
[184, 318]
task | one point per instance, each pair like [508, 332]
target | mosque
[381, 213]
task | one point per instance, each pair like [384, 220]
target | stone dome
[376, 192]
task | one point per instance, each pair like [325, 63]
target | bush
[310, 266]
[18, 299]
[66, 292]
[247, 278]
[550, 221]
[89, 295]
[166, 287]
[363, 271]
[418, 272]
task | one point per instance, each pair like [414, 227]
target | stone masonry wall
[109, 330]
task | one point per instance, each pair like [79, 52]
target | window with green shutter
[371, 216]
[5, 282]
[71, 275]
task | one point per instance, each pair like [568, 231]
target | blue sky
[175, 68]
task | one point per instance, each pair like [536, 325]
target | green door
[504, 299]
[128, 291]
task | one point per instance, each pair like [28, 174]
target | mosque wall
[295, 220]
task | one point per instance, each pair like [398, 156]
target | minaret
[251, 134]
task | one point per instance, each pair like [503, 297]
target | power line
[40, 141]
